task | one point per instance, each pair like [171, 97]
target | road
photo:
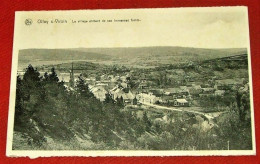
[180, 109]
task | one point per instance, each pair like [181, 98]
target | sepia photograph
[131, 82]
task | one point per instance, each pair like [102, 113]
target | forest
[50, 117]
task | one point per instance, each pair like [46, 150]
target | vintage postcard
[131, 82]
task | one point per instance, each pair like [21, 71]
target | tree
[120, 101]
[45, 76]
[30, 97]
[131, 83]
[243, 104]
[31, 75]
[53, 77]
[19, 111]
[109, 98]
[32, 86]
[82, 88]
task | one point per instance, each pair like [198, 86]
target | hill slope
[129, 56]
[162, 51]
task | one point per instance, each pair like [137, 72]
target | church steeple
[72, 76]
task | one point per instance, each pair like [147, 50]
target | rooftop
[182, 100]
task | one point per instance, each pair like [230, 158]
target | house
[226, 84]
[123, 78]
[156, 92]
[166, 99]
[183, 92]
[143, 85]
[207, 92]
[124, 85]
[129, 98]
[125, 93]
[151, 96]
[99, 92]
[195, 90]
[102, 85]
[171, 91]
[148, 98]
[181, 103]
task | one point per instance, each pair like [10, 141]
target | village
[135, 89]
[189, 86]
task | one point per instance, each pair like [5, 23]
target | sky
[218, 27]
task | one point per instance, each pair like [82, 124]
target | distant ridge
[160, 50]
[138, 56]
[58, 54]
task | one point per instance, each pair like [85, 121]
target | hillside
[38, 57]
[131, 56]
[162, 51]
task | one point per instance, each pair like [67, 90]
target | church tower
[72, 76]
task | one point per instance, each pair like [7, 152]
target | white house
[181, 102]
[148, 98]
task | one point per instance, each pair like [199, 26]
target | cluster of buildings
[118, 87]
[182, 96]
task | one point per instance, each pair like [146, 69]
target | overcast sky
[187, 27]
